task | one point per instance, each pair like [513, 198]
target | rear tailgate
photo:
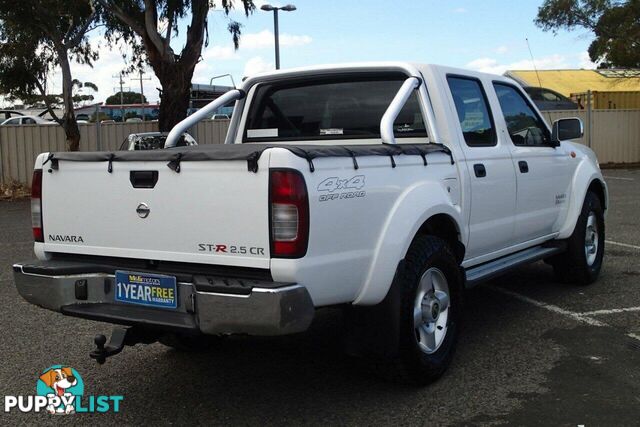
[212, 212]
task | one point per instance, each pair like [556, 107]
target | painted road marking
[620, 178]
[624, 245]
[579, 317]
[610, 311]
[634, 336]
[550, 307]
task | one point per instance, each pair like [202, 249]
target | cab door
[489, 165]
[543, 172]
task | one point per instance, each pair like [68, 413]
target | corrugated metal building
[610, 89]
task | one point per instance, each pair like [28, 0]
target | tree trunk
[176, 91]
[69, 122]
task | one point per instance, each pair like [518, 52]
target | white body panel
[187, 209]
[355, 244]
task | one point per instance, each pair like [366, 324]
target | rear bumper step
[207, 305]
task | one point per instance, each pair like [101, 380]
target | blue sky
[484, 35]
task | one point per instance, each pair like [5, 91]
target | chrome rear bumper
[264, 309]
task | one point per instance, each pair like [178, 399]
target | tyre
[190, 343]
[429, 288]
[582, 261]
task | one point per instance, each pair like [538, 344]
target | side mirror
[566, 129]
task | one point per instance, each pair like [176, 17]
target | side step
[491, 269]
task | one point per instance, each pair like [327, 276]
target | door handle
[143, 179]
[480, 170]
[524, 166]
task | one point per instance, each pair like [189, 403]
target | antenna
[536, 70]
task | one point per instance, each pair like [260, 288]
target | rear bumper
[249, 307]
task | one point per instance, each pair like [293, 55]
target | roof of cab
[411, 67]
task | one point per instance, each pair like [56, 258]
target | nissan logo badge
[143, 210]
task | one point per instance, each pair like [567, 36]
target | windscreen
[347, 107]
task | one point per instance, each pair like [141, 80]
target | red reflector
[36, 184]
[289, 214]
[36, 205]
[38, 235]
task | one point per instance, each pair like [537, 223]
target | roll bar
[390, 116]
[203, 113]
[386, 123]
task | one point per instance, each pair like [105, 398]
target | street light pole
[276, 30]
[277, 37]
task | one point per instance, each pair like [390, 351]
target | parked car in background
[7, 114]
[27, 120]
[133, 120]
[153, 141]
[547, 99]
[220, 117]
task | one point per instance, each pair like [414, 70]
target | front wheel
[582, 262]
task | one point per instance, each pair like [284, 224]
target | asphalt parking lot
[533, 352]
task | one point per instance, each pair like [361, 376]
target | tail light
[289, 204]
[36, 205]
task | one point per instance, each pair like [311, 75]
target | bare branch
[123, 16]
[80, 34]
[46, 100]
[167, 38]
[195, 32]
[151, 25]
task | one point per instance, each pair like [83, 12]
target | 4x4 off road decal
[342, 188]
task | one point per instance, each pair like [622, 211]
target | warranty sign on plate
[153, 290]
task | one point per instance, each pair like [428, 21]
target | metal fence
[613, 134]
[20, 145]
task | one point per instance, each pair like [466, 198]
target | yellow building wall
[568, 82]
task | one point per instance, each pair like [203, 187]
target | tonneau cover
[250, 153]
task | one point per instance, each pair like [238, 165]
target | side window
[473, 111]
[550, 96]
[28, 121]
[525, 127]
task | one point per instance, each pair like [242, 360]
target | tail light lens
[36, 205]
[289, 204]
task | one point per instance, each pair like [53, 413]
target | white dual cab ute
[383, 188]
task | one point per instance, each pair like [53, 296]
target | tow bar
[120, 336]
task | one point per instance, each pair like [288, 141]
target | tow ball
[120, 336]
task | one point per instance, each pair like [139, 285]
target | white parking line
[579, 317]
[620, 178]
[550, 307]
[634, 336]
[624, 245]
[610, 311]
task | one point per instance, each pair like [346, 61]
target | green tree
[150, 25]
[81, 98]
[127, 98]
[614, 23]
[36, 38]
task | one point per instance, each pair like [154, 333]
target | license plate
[153, 290]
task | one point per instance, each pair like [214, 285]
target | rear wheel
[582, 262]
[430, 291]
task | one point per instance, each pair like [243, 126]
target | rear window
[340, 108]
